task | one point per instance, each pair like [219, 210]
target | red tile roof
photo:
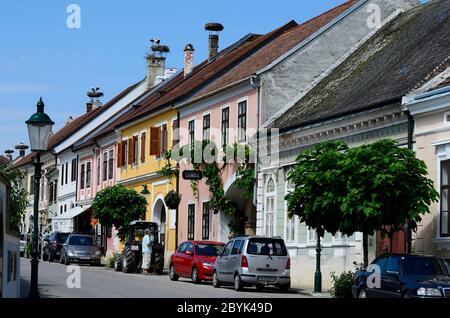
[76, 124]
[275, 49]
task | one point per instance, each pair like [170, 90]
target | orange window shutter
[119, 154]
[154, 141]
[143, 139]
[130, 150]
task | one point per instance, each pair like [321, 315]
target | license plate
[266, 279]
[85, 258]
[134, 247]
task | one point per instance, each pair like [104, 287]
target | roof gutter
[312, 37]
[316, 121]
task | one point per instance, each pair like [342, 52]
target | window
[175, 133]
[67, 173]
[182, 248]
[111, 165]
[50, 192]
[266, 246]
[88, 175]
[312, 235]
[62, 174]
[225, 125]
[143, 139]
[163, 141]
[269, 208]
[105, 166]
[290, 229]
[205, 221]
[122, 154]
[190, 247]
[206, 127]
[82, 176]
[98, 171]
[242, 121]
[31, 185]
[191, 221]
[237, 247]
[381, 262]
[135, 149]
[61, 209]
[65, 207]
[191, 127]
[227, 249]
[393, 264]
[445, 202]
[73, 174]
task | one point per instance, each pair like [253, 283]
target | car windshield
[266, 246]
[81, 240]
[423, 266]
[208, 249]
[62, 237]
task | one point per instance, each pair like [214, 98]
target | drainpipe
[408, 242]
[178, 184]
[255, 82]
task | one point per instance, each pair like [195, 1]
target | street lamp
[39, 128]
[318, 273]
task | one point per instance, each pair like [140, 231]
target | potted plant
[172, 199]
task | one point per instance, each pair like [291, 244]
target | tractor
[130, 260]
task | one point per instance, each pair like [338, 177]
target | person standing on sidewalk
[146, 252]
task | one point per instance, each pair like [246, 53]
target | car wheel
[172, 274]
[194, 276]
[363, 293]
[238, 286]
[285, 288]
[216, 282]
[118, 263]
[45, 257]
[66, 261]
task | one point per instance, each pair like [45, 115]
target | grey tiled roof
[384, 69]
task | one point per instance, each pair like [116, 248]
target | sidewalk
[311, 293]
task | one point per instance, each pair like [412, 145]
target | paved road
[100, 282]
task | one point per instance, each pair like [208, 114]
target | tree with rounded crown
[369, 188]
[117, 206]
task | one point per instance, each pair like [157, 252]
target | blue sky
[40, 55]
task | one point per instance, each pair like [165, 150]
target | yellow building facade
[141, 148]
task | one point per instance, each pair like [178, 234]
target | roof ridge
[327, 12]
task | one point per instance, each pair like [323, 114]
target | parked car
[253, 261]
[53, 245]
[405, 276]
[80, 248]
[194, 259]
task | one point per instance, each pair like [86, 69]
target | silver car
[253, 261]
[80, 248]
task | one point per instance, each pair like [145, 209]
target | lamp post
[318, 274]
[39, 128]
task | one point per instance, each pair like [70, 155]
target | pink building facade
[216, 119]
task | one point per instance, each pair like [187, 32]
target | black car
[404, 276]
[52, 246]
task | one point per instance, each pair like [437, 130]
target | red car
[195, 259]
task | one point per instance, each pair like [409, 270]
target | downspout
[408, 241]
[178, 183]
[255, 82]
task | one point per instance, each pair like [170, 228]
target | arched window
[269, 208]
[291, 224]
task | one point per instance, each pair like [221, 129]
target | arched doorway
[159, 216]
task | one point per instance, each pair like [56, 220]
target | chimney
[22, 148]
[188, 59]
[213, 47]
[88, 107]
[94, 94]
[9, 153]
[156, 63]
